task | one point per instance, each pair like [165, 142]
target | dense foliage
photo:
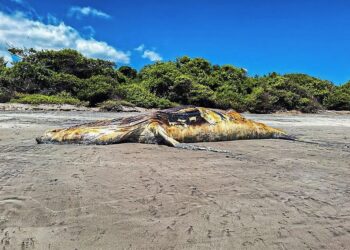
[66, 76]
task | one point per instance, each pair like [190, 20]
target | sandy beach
[269, 194]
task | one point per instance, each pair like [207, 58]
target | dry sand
[271, 194]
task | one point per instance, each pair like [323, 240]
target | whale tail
[286, 137]
[295, 139]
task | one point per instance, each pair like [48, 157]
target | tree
[227, 97]
[29, 78]
[274, 92]
[140, 96]
[318, 88]
[195, 67]
[65, 82]
[339, 99]
[261, 101]
[201, 95]
[97, 89]
[2, 63]
[69, 61]
[128, 72]
[159, 78]
[179, 92]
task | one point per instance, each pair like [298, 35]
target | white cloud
[98, 49]
[140, 48]
[78, 12]
[151, 55]
[20, 31]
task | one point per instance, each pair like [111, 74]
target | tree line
[66, 76]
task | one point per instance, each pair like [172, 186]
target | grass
[37, 99]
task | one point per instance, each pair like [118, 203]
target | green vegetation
[339, 98]
[140, 96]
[45, 99]
[66, 76]
[114, 105]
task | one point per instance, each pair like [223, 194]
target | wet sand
[270, 194]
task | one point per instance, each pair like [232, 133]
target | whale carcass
[173, 127]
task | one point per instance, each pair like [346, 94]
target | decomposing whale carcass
[173, 127]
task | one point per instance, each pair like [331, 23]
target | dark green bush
[97, 89]
[180, 90]
[5, 95]
[307, 105]
[128, 72]
[66, 82]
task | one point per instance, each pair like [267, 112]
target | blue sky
[309, 36]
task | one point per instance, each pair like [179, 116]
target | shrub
[5, 91]
[140, 96]
[180, 90]
[185, 81]
[260, 101]
[65, 82]
[5, 95]
[114, 105]
[227, 98]
[159, 78]
[308, 105]
[339, 99]
[96, 89]
[201, 95]
[317, 88]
